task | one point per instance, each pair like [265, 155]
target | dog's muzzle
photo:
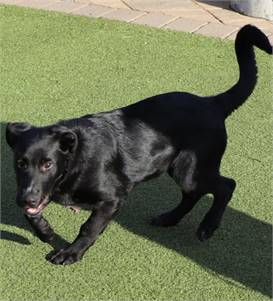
[29, 210]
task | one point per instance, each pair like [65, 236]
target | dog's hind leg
[183, 171]
[222, 193]
[173, 217]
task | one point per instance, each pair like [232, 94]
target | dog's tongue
[34, 210]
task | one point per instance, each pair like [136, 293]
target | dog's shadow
[240, 250]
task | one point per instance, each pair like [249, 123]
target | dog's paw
[63, 256]
[205, 231]
[164, 220]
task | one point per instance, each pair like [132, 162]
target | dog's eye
[22, 164]
[46, 165]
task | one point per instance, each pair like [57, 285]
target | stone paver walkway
[207, 17]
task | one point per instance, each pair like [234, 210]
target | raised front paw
[64, 256]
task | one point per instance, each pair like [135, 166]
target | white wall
[255, 8]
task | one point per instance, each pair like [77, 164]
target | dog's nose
[32, 201]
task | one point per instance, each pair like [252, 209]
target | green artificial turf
[55, 66]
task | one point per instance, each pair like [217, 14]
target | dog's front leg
[41, 227]
[88, 234]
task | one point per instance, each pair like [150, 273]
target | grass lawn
[57, 66]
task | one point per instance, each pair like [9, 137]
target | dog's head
[41, 159]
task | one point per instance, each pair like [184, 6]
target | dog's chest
[71, 202]
[79, 198]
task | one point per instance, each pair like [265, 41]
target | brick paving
[155, 19]
[32, 3]
[206, 17]
[10, 2]
[124, 15]
[186, 25]
[217, 30]
[65, 6]
[270, 37]
[93, 10]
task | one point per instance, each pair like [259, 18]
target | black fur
[96, 160]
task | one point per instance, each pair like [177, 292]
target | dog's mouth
[35, 211]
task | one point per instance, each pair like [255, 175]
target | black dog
[96, 160]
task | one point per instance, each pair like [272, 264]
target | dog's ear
[68, 139]
[13, 131]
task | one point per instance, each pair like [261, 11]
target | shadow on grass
[240, 250]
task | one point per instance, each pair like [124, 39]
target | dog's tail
[247, 37]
